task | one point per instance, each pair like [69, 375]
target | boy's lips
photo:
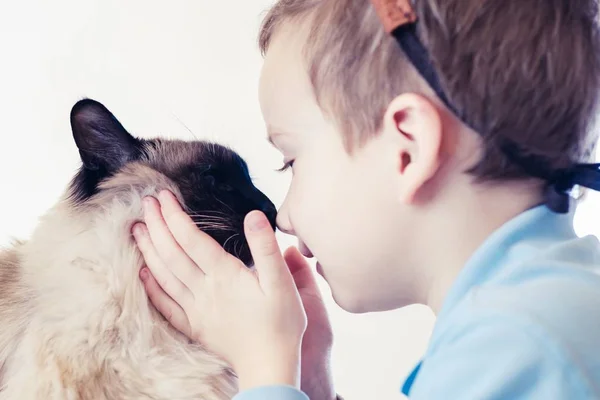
[304, 250]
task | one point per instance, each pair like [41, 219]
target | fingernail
[257, 221]
[144, 274]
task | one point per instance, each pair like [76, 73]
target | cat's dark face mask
[213, 180]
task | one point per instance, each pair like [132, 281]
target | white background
[159, 65]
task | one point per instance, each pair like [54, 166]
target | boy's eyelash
[286, 166]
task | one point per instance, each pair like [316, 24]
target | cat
[75, 321]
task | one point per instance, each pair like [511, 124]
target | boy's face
[343, 208]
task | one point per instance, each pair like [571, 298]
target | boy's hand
[254, 320]
[317, 342]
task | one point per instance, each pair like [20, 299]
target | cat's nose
[271, 212]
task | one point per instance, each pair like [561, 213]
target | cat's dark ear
[104, 145]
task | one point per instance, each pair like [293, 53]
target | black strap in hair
[559, 183]
[409, 41]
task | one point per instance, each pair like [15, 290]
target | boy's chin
[350, 303]
[357, 304]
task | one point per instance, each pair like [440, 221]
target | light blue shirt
[521, 320]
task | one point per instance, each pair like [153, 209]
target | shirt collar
[538, 223]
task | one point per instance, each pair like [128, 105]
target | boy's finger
[169, 282]
[202, 248]
[164, 304]
[294, 259]
[268, 260]
[300, 269]
[173, 256]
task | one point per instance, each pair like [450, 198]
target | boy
[433, 148]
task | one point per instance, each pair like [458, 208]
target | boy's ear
[415, 124]
[103, 143]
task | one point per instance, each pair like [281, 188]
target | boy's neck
[469, 219]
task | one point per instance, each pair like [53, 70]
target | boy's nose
[283, 223]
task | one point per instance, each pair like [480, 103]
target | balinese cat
[75, 322]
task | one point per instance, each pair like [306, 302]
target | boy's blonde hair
[527, 71]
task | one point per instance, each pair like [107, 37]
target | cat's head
[213, 180]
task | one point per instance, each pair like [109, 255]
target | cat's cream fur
[75, 321]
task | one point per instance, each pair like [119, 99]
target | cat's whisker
[237, 253]
[184, 125]
[208, 212]
[228, 239]
[215, 226]
[212, 220]
[221, 217]
[226, 205]
[223, 228]
[204, 219]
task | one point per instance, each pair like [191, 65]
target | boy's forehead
[282, 69]
[285, 92]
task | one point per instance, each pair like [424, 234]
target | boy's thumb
[299, 268]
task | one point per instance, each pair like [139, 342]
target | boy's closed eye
[286, 165]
